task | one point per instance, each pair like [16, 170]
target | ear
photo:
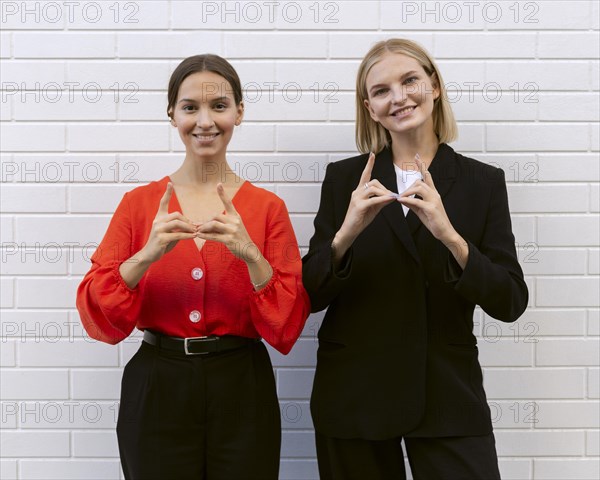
[436, 89]
[371, 112]
[240, 114]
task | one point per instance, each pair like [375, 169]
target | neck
[205, 172]
[406, 146]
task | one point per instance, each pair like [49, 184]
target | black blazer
[397, 356]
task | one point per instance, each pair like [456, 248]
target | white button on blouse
[197, 273]
[195, 316]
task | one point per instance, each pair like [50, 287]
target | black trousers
[201, 417]
[444, 458]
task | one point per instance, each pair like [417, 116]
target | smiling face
[400, 95]
[206, 114]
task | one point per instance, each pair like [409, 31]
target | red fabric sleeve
[279, 310]
[107, 306]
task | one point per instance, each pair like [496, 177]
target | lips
[204, 137]
[400, 112]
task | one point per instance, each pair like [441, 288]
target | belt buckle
[185, 344]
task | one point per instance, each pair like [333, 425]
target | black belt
[197, 345]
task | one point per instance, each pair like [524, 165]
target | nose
[398, 94]
[204, 119]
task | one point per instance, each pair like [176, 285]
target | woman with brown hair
[408, 240]
[205, 263]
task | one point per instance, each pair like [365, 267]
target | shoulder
[475, 169]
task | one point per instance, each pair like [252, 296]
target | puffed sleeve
[322, 279]
[108, 308]
[279, 310]
[492, 277]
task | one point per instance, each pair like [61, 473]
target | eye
[379, 91]
[220, 106]
[410, 80]
[187, 108]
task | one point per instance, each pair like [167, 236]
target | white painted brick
[294, 383]
[564, 107]
[594, 198]
[34, 384]
[560, 167]
[593, 383]
[295, 415]
[534, 383]
[595, 75]
[491, 102]
[566, 469]
[288, 45]
[96, 199]
[594, 137]
[51, 103]
[536, 137]
[595, 15]
[513, 414]
[470, 139]
[37, 325]
[340, 15]
[568, 352]
[78, 353]
[5, 44]
[34, 444]
[356, 45]
[135, 106]
[567, 414]
[300, 198]
[10, 414]
[422, 15]
[279, 167]
[572, 230]
[140, 169]
[7, 292]
[460, 74]
[227, 15]
[592, 443]
[505, 353]
[38, 198]
[541, 15]
[315, 138]
[6, 228]
[33, 15]
[141, 74]
[27, 74]
[303, 228]
[107, 16]
[69, 470]
[6, 109]
[514, 469]
[63, 45]
[317, 74]
[524, 229]
[8, 469]
[298, 444]
[532, 76]
[35, 260]
[48, 292]
[96, 384]
[538, 322]
[344, 107]
[539, 444]
[7, 354]
[129, 346]
[304, 354]
[536, 261]
[167, 45]
[64, 230]
[127, 137]
[568, 45]
[532, 198]
[488, 45]
[19, 138]
[593, 322]
[61, 168]
[298, 469]
[291, 104]
[68, 414]
[555, 292]
[95, 444]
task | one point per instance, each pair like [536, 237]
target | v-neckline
[175, 203]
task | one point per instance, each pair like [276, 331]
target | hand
[367, 200]
[229, 229]
[167, 229]
[429, 207]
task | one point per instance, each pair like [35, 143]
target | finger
[176, 236]
[366, 174]
[176, 225]
[176, 216]
[424, 172]
[214, 227]
[229, 208]
[412, 203]
[380, 200]
[377, 183]
[373, 191]
[163, 207]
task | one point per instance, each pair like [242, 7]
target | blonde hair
[370, 135]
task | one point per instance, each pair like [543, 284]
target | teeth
[404, 110]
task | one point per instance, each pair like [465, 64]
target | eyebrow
[218, 99]
[412, 72]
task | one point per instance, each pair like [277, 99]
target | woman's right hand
[167, 230]
[367, 200]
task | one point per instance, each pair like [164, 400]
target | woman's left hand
[229, 229]
[429, 207]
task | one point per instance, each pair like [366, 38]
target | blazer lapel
[383, 170]
[443, 173]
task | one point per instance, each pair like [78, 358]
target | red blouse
[191, 292]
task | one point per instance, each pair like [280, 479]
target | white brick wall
[83, 120]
